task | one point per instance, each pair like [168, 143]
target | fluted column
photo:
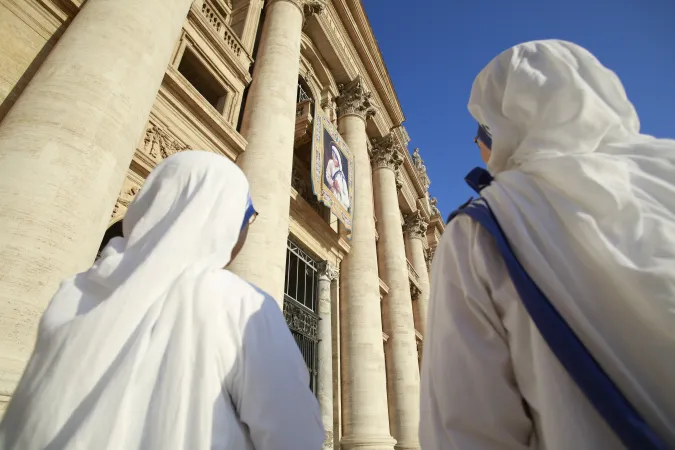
[403, 380]
[269, 125]
[415, 231]
[364, 392]
[65, 147]
[327, 275]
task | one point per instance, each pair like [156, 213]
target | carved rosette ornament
[385, 153]
[354, 99]
[328, 271]
[415, 226]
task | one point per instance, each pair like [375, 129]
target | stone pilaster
[415, 231]
[327, 275]
[364, 394]
[65, 147]
[403, 381]
[269, 125]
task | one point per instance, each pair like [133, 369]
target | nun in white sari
[587, 204]
[157, 346]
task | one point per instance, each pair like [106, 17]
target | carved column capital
[328, 271]
[399, 180]
[386, 153]
[307, 7]
[354, 99]
[415, 226]
[313, 7]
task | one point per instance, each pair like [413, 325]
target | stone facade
[240, 78]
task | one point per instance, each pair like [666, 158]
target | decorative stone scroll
[328, 271]
[415, 226]
[421, 168]
[355, 99]
[159, 144]
[385, 154]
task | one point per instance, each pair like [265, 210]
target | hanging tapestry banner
[333, 171]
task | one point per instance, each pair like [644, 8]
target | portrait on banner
[333, 174]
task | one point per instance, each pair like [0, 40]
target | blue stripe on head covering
[250, 212]
[484, 136]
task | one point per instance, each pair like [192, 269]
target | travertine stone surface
[328, 273]
[64, 150]
[403, 379]
[268, 125]
[364, 392]
[415, 231]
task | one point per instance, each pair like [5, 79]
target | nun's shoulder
[234, 287]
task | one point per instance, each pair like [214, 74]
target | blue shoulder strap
[600, 390]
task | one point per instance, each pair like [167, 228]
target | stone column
[269, 126]
[327, 274]
[364, 380]
[415, 231]
[403, 380]
[65, 147]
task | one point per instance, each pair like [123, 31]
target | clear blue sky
[435, 48]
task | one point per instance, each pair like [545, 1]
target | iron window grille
[300, 306]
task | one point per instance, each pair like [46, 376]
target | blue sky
[435, 48]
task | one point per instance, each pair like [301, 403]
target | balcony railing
[218, 21]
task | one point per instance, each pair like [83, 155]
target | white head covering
[588, 204]
[122, 336]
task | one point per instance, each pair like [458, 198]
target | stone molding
[159, 144]
[354, 99]
[328, 271]
[399, 180]
[385, 154]
[415, 226]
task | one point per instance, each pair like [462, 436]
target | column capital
[386, 153]
[399, 180]
[307, 7]
[354, 99]
[328, 271]
[415, 226]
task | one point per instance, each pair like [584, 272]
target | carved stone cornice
[354, 99]
[328, 271]
[385, 154]
[415, 226]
